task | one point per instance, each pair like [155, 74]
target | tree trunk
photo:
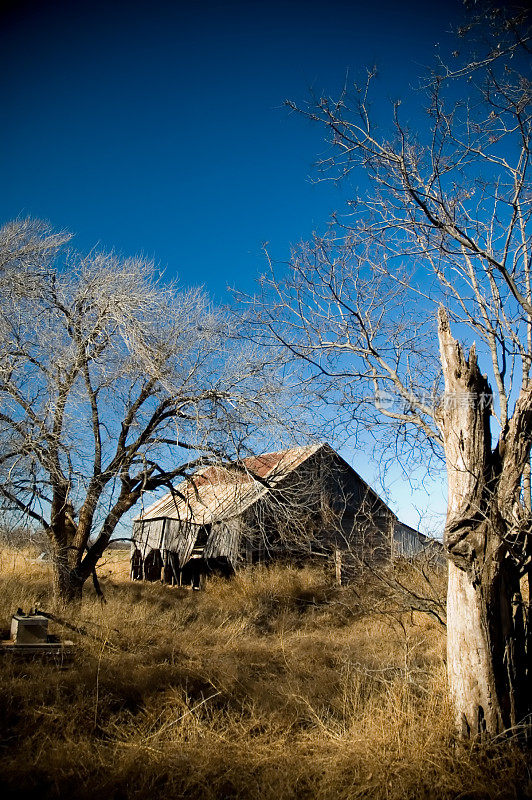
[67, 578]
[486, 652]
[67, 586]
[486, 638]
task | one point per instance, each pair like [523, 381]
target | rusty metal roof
[215, 493]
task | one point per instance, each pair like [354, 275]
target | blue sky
[159, 127]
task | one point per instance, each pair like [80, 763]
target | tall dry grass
[276, 684]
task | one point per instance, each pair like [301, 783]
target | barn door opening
[153, 565]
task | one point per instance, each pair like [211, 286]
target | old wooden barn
[298, 503]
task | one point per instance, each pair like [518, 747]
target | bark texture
[487, 644]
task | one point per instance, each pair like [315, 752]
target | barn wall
[295, 518]
[359, 520]
[180, 538]
[408, 543]
[148, 535]
[224, 541]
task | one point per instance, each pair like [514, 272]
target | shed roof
[218, 493]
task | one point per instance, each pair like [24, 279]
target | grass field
[276, 684]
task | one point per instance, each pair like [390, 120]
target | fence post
[338, 566]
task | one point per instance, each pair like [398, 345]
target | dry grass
[273, 685]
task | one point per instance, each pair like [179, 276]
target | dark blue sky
[159, 127]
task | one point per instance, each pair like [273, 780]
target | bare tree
[437, 250]
[112, 383]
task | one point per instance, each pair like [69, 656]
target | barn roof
[217, 493]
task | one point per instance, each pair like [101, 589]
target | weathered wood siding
[148, 535]
[176, 536]
[224, 541]
[356, 519]
[180, 538]
[407, 543]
